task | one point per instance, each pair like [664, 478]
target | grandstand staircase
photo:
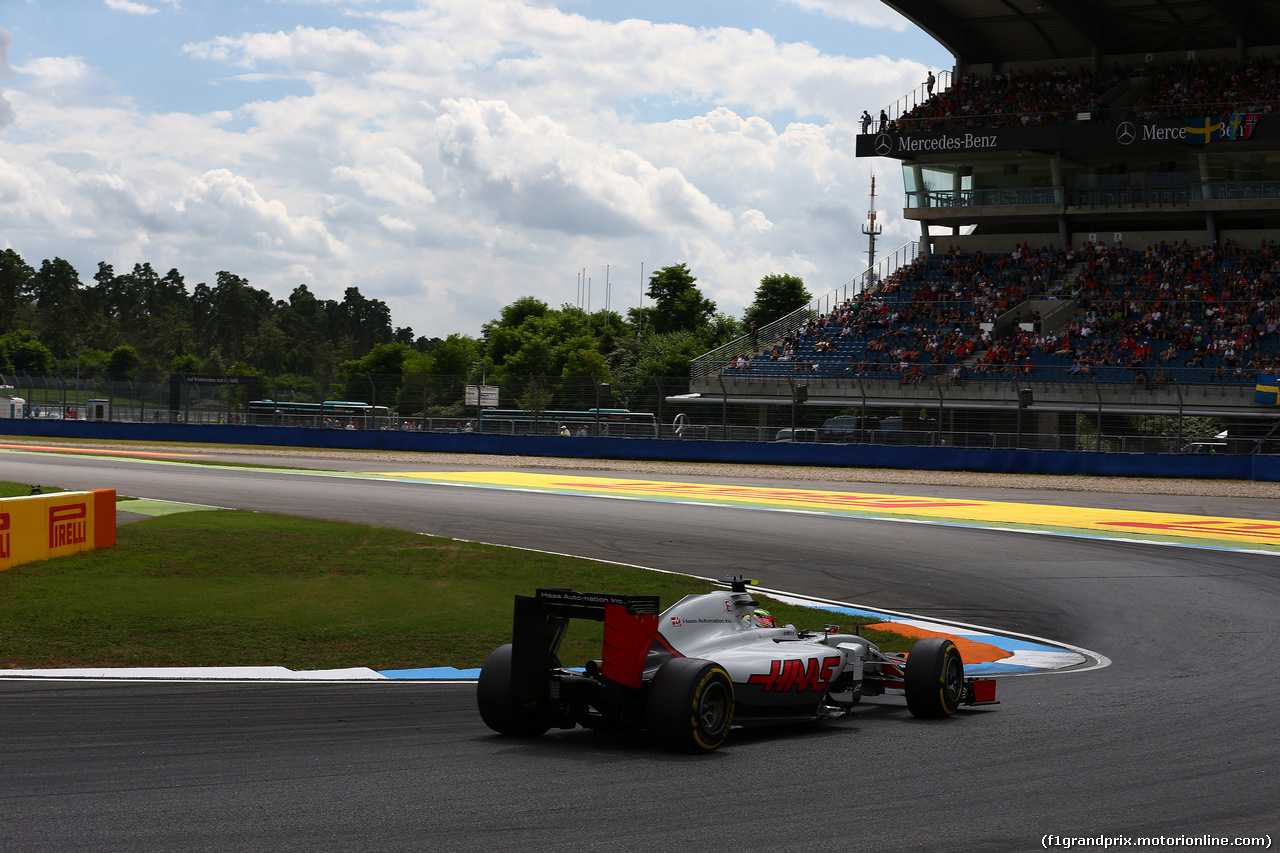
[1054, 315]
[1116, 102]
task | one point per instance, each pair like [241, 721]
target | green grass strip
[232, 588]
[20, 490]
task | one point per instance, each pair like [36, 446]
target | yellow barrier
[43, 526]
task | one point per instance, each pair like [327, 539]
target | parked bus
[611, 423]
[339, 413]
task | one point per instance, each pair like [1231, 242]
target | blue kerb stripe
[433, 673]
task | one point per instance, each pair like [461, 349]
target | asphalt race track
[1175, 738]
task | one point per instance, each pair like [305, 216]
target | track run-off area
[1178, 594]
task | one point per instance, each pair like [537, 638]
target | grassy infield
[229, 588]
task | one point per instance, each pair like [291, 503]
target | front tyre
[690, 705]
[934, 678]
[498, 706]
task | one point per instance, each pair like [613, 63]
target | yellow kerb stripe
[1112, 522]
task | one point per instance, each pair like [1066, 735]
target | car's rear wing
[592, 605]
[630, 626]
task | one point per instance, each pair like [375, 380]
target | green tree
[505, 336]
[776, 297]
[59, 302]
[169, 291]
[184, 364]
[237, 311]
[102, 321]
[583, 373]
[434, 381]
[513, 315]
[677, 302]
[303, 389]
[268, 347]
[376, 377]
[129, 298]
[169, 336]
[304, 322]
[530, 339]
[668, 354]
[122, 361]
[24, 353]
[357, 323]
[203, 320]
[15, 281]
[456, 355]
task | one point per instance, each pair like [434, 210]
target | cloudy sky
[450, 156]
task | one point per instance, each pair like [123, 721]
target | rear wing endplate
[631, 624]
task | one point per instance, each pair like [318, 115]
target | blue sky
[450, 156]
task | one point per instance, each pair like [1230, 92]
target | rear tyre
[690, 705]
[498, 706]
[934, 678]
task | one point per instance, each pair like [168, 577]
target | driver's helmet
[763, 619]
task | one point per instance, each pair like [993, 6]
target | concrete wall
[1218, 467]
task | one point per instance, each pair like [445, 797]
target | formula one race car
[687, 675]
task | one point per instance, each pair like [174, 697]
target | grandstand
[1097, 186]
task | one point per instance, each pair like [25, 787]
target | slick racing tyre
[498, 706]
[690, 705]
[934, 678]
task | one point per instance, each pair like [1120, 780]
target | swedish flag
[1203, 134]
[1267, 390]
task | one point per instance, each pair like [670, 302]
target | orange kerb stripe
[971, 651]
[104, 518]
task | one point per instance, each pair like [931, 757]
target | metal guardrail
[1161, 112]
[1183, 416]
[914, 98]
[992, 440]
[1158, 195]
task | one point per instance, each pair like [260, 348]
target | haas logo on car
[798, 675]
[675, 622]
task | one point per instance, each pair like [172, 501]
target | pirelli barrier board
[43, 526]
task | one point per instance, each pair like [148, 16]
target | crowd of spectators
[1144, 315]
[1009, 98]
[1016, 98]
[1211, 88]
[1175, 306]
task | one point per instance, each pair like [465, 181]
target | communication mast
[871, 229]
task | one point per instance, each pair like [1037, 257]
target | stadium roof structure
[979, 32]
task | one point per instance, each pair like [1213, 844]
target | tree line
[141, 325]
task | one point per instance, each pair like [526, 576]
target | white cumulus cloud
[131, 8]
[331, 49]
[871, 13]
[534, 172]
[225, 204]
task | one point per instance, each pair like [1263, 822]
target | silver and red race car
[688, 674]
